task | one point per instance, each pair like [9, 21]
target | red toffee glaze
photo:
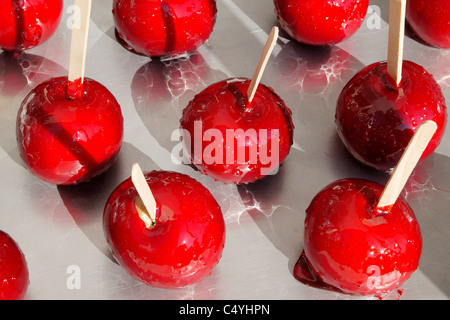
[320, 22]
[14, 276]
[352, 249]
[376, 120]
[164, 28]
[183, 246]
[28, 23]
[224, 106]
[430, 21]
[69, 141]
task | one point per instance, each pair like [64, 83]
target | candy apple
[67, 141]
[430, 21]
[24, 24]
[376, 119]
[249, 140]
[321, 22]
[184, 242]
[354, 248]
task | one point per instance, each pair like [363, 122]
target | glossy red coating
[14, 276]
[354, 249]
[24, 24]
[376, 120]
[320, 22]
[64, 141]
[430, 21]
[164, 28]
[224, 107]
[186, 242]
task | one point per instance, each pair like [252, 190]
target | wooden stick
[78, 46]
[267, 51]
[147, 212]
[406, 165]
[397, 10]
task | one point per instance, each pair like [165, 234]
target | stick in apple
[145, 203]
[397, 11]
[78, 48]
[268, 48]
[406, 165]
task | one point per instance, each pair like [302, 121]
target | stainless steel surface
[59, 228]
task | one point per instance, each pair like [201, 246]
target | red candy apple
[14, 276]
[430, 21]
[186, 240]
[352, 247]
[69, 141]
[376, 119]
[164, 28]
[320, 22]
[24, 24]
[234, 141]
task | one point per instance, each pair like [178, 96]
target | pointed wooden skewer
[78, 48]
[406, 165]
[267, 51]
[397, 11]
[145, 203]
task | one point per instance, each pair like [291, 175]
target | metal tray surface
[60, 228]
